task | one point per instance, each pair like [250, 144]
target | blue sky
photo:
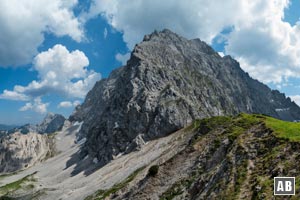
[75, 43]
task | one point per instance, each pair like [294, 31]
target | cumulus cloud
[68, 104]
[136, 18]
[296, 99]
[13, 95]
[37, 105]
[266, 46]
[60, 72]
[122, 58]
[23, 24]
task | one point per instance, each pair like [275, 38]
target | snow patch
[82, 141]
[116, 125]
[282, 109]
[95, 160]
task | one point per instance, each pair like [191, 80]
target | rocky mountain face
[27, 145]
[51, 123]
[167, 83]
[221, 157]
[19, 151]
[226, 158]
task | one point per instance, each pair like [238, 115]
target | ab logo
[284, 185]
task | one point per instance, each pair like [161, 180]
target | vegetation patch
[14, 186]
[102, 194]
[284, 129]
[194, 126]
[153, 170]
[175, 190]
[241, 176]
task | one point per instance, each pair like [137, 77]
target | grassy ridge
[283, 129]
[236, 125]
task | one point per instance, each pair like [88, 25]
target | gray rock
[167, 83]
[51, 123]
[27, 145]
[19, 151]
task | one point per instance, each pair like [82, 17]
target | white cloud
[296, 99]
[37, 105]
[59, 64]
[12, 95]
[122, 58]
[267, 47]
[65, 104]
[60, 72]
[76, 103]
[68, 104]
[221, 54]
[23, 24]
[105, 32]
[136, 18]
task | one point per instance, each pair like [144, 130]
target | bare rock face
[19, 151]
[167, 83]
[51, 123]
[27, 145]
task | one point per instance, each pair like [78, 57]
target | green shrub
[153, 170]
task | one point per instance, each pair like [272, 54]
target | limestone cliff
[167, 83]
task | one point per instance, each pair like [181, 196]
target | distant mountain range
[51, 123]
[4, 127]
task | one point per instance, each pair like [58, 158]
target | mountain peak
[51, 123]
[167, 37]
[168, 82]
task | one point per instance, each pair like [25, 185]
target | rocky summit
[51, 123]
[168, 82]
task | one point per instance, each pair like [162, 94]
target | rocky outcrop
[167, 83]
[27, 145]
[19, 151]
[51, 123]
